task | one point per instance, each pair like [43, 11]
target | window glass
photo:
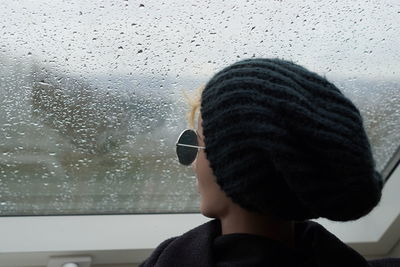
[91, 96]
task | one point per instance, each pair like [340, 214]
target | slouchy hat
[285, 141]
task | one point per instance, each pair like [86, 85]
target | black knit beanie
[283, 140]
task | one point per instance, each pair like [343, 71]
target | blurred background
[91, 92]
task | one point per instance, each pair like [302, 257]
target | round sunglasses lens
[187, 155]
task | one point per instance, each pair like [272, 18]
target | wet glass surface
[91, 96]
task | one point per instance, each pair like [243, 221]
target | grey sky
[191, 38]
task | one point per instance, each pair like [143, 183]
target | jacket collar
[315, 246]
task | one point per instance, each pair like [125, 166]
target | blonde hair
[194, 103]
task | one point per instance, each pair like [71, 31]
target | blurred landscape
[67, 146]
[89, 145]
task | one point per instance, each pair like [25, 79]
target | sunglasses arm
[202, 147]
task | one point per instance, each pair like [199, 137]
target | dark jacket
[205, 246]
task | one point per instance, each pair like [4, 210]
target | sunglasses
[187, 147]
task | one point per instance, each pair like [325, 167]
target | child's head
[280, 139]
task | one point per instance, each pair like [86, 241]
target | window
[91, 91]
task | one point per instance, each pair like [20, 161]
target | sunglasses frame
[192, 146]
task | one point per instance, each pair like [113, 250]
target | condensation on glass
[91, 96]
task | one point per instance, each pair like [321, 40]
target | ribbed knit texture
[282, 139]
